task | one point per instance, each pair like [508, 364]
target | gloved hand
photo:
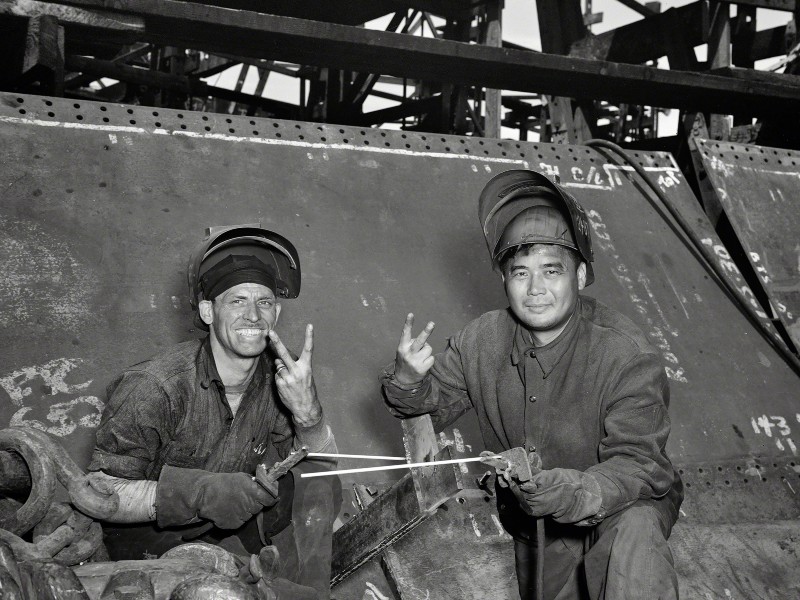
[566, 495]
[226, 499]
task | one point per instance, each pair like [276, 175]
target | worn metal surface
[759, 188]
[101, 202]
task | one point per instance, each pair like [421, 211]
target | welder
[183, 432]
[565, 376]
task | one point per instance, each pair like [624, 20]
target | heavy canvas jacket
[171, 409]
[595, 399]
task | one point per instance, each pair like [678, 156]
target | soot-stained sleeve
[633, 462]
[442, 394]
[132, 427]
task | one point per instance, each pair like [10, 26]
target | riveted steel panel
[101, 204]
[759, 190]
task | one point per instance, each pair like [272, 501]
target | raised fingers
[420, 340]
[280, 349]
[308, 345]
[405, 337]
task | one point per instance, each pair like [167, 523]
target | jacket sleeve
[134, 422]
[633, 461]
[442, 394]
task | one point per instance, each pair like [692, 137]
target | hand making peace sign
[295, 380]
[414, 355]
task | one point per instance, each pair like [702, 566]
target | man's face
[240, 318]
[542, 286]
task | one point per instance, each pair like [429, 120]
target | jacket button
[531, 448]
[532, 353]
[532, 398]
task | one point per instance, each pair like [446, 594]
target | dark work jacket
[172, 410]
[595, 399]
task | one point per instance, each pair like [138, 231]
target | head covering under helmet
[524, 207]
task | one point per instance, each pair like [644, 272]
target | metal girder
[175, 83]
[650, 38]
[786, 5]
[309, 42]
[639, 8]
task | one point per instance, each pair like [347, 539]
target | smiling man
[183, 432]
[564, 376]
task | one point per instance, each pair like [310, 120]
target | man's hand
[566, 495]
[295, 380]
[414, 355]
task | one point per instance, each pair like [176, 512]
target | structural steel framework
[442, 64]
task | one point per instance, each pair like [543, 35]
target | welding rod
[367, 456]
[405, 466]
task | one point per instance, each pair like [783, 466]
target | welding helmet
[238, 254]
[520, 207]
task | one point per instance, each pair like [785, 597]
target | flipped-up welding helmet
[521, 207]
[237, 254]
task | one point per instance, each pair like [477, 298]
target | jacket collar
[549, 355]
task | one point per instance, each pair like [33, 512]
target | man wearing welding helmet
[183, 432]
[562, 375]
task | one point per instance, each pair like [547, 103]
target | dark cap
[232, 270]
[511, 193]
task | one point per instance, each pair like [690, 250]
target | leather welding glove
[566, 495]
[226, 499]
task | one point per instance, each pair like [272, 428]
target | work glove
[226, 499]
[566, 495]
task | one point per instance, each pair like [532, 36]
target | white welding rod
[405, 466]
[366, 456]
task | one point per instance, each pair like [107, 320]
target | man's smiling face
[542, 283]
[240, 318]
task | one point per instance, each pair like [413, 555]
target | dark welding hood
[244, 247]
[511, 193]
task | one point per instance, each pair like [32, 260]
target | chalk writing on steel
[730, 268]
[777, 428]
[41, 281]
[645, 304]
[35, 410]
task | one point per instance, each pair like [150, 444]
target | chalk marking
[681, 299]
[59, 418]
[590, 186]
[459, 440]
[474, 525]
[265, 141]
[620, 271]
[645, 281]
[376, 594]
[499, 525]
[53, 373]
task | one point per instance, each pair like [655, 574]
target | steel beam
[309, 42]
